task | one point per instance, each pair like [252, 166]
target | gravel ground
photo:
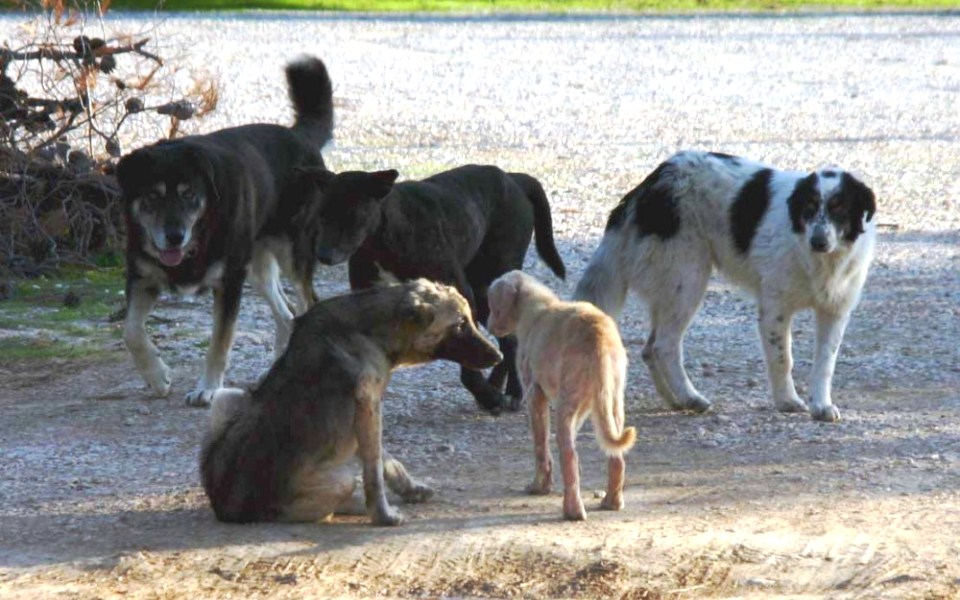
[99, 492]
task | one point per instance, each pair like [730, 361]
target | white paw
[694, 402]
[158, 379]
[827, 413]
[200, 398]
[791, 405]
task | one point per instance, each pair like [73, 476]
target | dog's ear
[382, 182]
[133, 170]
[861, 201]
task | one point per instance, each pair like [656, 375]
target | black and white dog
[795, 240]
[203, 210]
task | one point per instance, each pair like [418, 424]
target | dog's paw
[573, 509]
[417, 493]
[387, 516]
[200, 398]
[695, 403]
[158, 379]
[612, 502]
[791, 405]
[827, 413]
[538, 488]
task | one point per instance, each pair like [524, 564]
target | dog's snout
[174, 236]
[325, 256]
[818, 243]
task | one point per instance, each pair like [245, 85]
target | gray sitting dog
[282, 451]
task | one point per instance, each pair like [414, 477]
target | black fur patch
[748, 209]
[804, 193]
[655, 206]
[733, 160]
[860, 201]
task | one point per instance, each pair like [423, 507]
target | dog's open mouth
[171, 256]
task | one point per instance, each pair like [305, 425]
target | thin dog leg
[539, 407]
[656, 374]
[616, 469]
[776, 339]
[226, 305]
[830, 330]
[140, 301]
[266, 278]
[567, 426]
[367, 425]
[672, 308]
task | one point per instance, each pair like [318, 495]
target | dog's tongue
[171, 258]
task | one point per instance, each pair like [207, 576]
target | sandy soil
[99, 494]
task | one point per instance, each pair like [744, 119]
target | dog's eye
[810, 210]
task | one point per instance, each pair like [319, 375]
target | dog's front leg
[830, 330]
[774, 323]
[226, 305]
[141, 299]
[367, 426]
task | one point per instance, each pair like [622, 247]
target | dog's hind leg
[319, 493]
[398, 480]
[140, 301]
[830, 328]
[265, 273]
[538, 406]
[568, 422]
[774, 323]
[226, 305]
[672, 308]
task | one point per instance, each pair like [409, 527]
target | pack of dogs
[432, 261]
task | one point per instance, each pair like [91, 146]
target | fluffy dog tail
[542, 222]
[312, 95]
[607, 410]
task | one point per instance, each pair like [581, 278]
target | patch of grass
[44, 347]
[64, 316]
[538, 6]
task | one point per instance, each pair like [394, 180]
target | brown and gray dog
[569, 352]
[283, 451]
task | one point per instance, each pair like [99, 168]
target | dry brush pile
[72, 95]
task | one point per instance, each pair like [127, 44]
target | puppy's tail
[542, 222]
[604, 283]
[312, 95]
[607, 410]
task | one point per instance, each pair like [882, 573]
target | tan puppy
[569, 352]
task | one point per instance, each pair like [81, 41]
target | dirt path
[99, 493]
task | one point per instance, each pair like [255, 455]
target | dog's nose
[818, 244]
[174, 237]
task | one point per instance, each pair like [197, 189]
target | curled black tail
[542, 222]
[312, 94]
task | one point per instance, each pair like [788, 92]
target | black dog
[283, 451]
[203, 209]
[464, 227]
